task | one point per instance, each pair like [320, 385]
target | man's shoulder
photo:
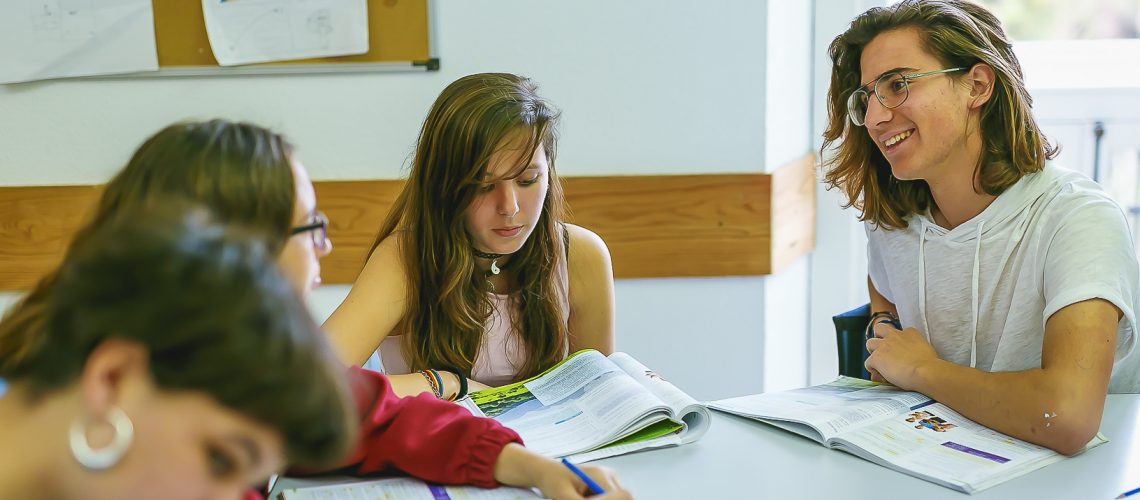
[1066, 193]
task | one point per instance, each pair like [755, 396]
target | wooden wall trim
[655, 225]
[793, 201]
[678, 225]
[36, 225]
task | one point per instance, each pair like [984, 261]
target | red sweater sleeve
[431, 439]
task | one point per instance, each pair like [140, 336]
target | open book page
[905, 431]
[829, 409]
[689, 419]
[936, 443]
[582, 403]
[404, 488]
[686, 409]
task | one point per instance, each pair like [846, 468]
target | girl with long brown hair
[1002, 285]
[474, 272]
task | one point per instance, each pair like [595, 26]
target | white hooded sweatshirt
[982, 292]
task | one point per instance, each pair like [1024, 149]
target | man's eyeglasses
[891, 90]
[318, 230]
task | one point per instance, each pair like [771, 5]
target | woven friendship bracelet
[433, 381]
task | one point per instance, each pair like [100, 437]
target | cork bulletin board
[399, 38]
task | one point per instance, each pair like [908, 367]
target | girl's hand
[560, 483]
[518, 466]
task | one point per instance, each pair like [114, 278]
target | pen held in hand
[593, 487]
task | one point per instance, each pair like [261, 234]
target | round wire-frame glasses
[891, 90]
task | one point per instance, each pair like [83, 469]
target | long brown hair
[239, 171]
[959, 34]
[447, 298]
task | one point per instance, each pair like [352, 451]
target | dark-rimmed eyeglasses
[891, 90]
[318, 231]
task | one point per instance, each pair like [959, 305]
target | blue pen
[594, 488]
[1129, 493]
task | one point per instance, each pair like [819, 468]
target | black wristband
[462, 382]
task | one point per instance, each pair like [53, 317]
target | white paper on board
[254, 31]
[42, 39]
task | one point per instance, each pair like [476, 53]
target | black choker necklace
[485, 255]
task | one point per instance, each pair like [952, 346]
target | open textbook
[901, 430]
[404, 489]
[590, 407]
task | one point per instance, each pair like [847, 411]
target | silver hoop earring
[106, 457]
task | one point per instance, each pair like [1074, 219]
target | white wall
[839, 262]
[646, 86]
[649, 87]
[787, 136]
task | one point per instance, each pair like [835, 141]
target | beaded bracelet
[430, 381]
[434, 381]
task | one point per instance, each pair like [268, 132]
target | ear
[981, 78]
[113, 369]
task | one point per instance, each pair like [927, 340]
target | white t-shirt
[982, 292]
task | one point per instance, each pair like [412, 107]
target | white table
[740, 458]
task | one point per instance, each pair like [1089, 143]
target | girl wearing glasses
[1015, 280]
[248, 175]
[135, 380]
[474, 273]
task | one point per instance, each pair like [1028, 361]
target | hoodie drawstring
[922, 280]
[975, 295]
